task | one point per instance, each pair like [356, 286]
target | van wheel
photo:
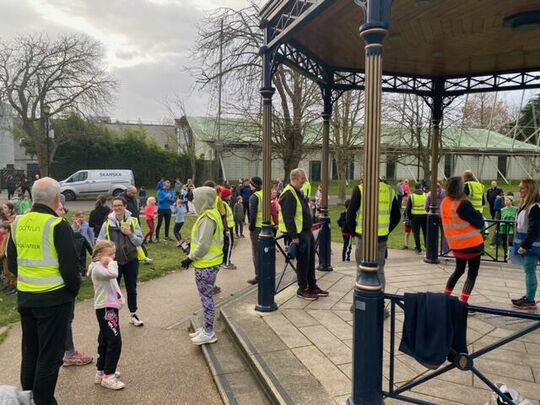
[117, 192]
[70, 195]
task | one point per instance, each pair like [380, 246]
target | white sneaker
[203, 338]
[196, 333]
[99, 377]
[135, 321]
[112, 383]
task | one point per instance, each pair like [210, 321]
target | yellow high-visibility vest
[214, 257]
[230, 216]
[386, 196]
[418, 203]
[306, 188]
[476, 192]
[38, 270]
[298, 219]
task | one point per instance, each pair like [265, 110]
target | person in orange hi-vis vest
[462, 225]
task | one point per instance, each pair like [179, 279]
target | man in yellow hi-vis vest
[389, 218]
[474, 191]
[255, 222]
[295, 220]
[416, 212]
[41, 253]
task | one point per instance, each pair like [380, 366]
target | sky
[147, 45]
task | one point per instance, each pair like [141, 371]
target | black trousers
[419, 222]
[228, 243]
[109, 340]
[10, 193]
[163, 214]
[305, 267]
[176, 230]
[130, 271]
[347, 247]
[43, 342]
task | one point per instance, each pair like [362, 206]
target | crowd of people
[44, 258]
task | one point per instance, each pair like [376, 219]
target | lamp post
[46, 109]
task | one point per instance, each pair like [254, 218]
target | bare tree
[486, 110]
[407, 139]
[345, 134]
[184, 139]
[241, 40]
[66, 74]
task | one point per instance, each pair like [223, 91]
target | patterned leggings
[205, 280]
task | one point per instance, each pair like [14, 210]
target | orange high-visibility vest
[459, 233]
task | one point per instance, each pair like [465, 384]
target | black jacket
[68, 259]
[492, 194]
[97, 217]
[533, 228]
[435, 328]
[354, 206]
[253, 208]
[287, 202]
[132, 205]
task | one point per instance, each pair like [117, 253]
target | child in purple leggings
[206, 255]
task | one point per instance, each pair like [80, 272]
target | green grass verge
[166, 257]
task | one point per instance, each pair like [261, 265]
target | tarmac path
[159, 364]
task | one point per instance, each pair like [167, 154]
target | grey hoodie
[204, 198]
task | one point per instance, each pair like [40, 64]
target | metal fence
[496, 248]
[462, 361]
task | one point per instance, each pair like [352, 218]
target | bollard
[432, 237]
[325, 243]
[267, 270]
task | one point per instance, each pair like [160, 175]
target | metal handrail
[486, 255]
[397, 393]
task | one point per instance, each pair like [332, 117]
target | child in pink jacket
[108, 300]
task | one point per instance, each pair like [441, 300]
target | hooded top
[204, 198]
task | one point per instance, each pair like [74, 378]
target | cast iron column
[267, 248]
[368, 293]
[325, 239]
[433, 219]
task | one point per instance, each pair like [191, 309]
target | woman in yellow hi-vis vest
[206, 255]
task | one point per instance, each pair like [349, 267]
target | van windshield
[80, 176]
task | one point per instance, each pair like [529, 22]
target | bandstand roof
[427, 38]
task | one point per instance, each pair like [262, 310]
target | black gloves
[186, 263]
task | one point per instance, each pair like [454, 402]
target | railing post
[433, 218]
[266, 245]
[325, 238]
[368, 293]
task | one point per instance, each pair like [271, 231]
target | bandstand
[436, 49]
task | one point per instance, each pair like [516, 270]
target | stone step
[285, 379]
[232, 375]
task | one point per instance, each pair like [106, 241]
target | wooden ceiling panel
[441, 38]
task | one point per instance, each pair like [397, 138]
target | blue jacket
[165, 203]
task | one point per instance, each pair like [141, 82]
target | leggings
[228, 243]
[474, 265]
[239, 228]
[176, 230]
[167, 215]
[151, 228]
[205, 280]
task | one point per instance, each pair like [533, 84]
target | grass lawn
[166, 257]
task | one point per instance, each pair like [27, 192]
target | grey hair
[45, 191]
[295, 173]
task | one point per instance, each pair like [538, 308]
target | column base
[266, 308]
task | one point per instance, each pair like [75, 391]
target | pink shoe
[78, 359]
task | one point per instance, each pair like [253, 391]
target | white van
[95, 182]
